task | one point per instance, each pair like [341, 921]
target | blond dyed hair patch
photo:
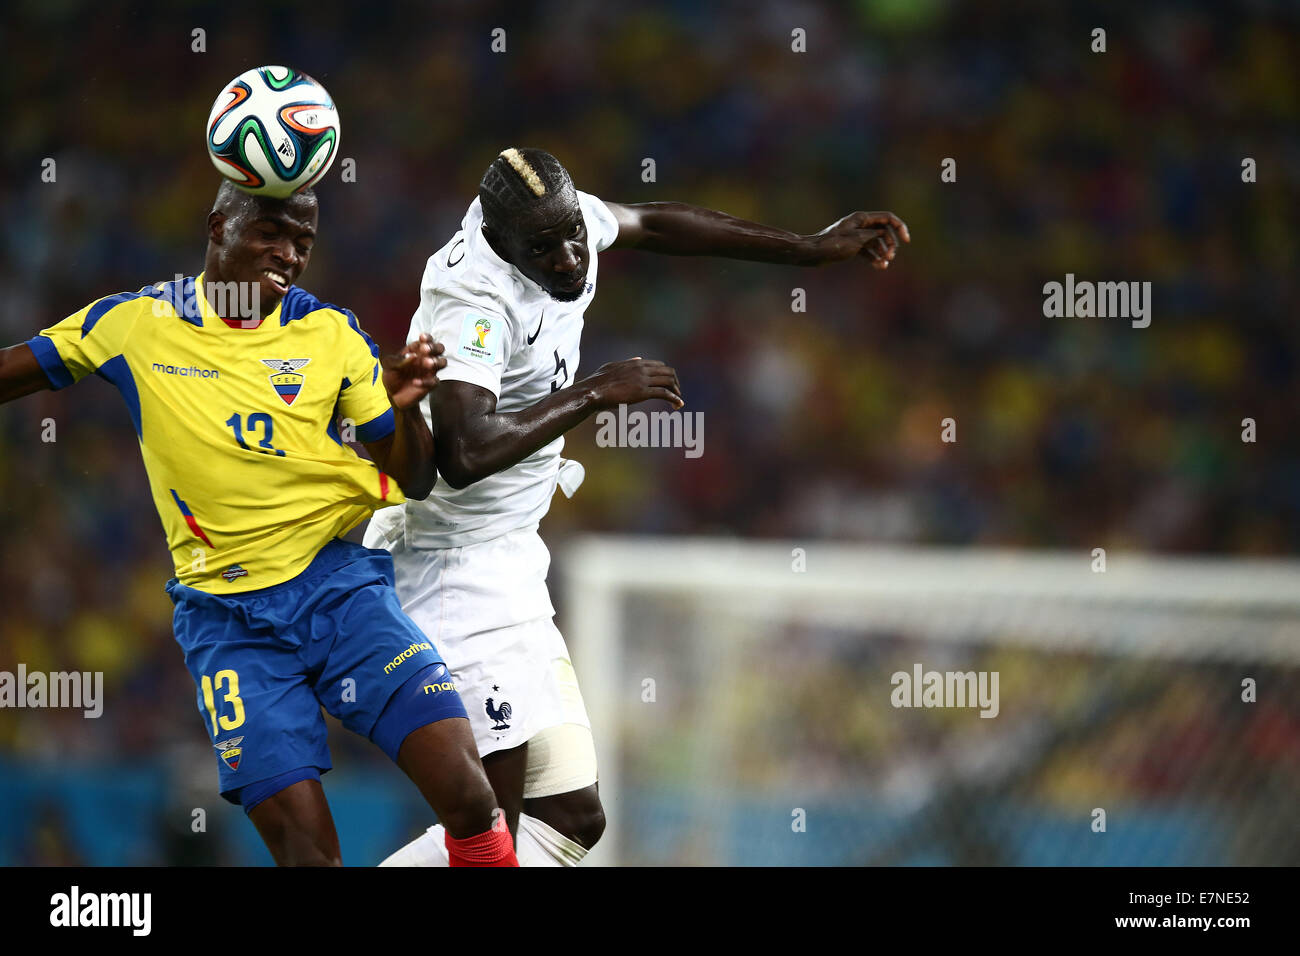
[525, 170]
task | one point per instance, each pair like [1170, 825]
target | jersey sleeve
[363, 398]
[81, 343]
[602, 227]
[477, 341]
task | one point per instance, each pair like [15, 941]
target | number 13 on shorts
[230, 680]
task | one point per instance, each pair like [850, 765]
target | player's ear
[216, 226]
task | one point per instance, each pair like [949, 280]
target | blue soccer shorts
[265, 662]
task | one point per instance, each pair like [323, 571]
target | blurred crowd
[1070, 432]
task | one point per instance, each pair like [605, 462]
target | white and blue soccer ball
[273, 131]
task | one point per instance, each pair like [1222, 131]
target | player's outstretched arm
[407, 454]
[474, 440]
[20, 373]
[680, 229]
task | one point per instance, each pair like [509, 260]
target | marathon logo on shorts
[230, 751]
[233, 572]
[406, 655]
[435, 686]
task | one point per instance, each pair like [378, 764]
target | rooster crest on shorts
[230, 751]
[287, 380]
[498, 714]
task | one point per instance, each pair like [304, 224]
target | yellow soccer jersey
[237, 425]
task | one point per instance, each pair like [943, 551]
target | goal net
[770, 703]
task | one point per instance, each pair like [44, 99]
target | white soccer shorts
[486, 609]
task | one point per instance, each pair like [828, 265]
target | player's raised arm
[407, 453]
[20, 373]
[680, 229]
[475, 440]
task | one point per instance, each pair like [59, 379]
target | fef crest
[231, 752]
[286, 380]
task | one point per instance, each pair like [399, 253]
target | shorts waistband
[417, 541]
[327, 559]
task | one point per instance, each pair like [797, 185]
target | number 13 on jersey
[256, 420]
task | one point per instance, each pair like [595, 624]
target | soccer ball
[273, 131]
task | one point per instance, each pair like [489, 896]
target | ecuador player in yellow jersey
[235, 380]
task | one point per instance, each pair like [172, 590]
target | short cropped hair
[236, 202]
[519, 179]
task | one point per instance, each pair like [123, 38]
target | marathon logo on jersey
[231, 752]
[406, 655]
[287, 380]
[480, 338]
[185, 371]
[233, 572]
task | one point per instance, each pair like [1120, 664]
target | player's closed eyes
[270, 235]
[573, 234]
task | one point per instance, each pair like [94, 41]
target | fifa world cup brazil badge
[479, 336]
[287, 380]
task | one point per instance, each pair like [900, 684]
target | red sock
[491, 848]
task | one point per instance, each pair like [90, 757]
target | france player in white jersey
[506, 297]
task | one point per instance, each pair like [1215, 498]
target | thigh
[560, 786]
[252, 694]
[362, 645]
[441, 761]
[561, 760]
[571, 814]
[297, 827]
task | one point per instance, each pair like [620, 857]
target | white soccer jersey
[506, 334]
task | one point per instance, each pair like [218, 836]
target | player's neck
[236, 311]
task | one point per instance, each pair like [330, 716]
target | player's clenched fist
[633, 380]
[412, 373]
[872, 235]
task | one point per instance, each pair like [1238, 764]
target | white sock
[428, 849]
[538, 844]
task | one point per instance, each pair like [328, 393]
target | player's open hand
[872, 235]
[412, 373]
[634, 380]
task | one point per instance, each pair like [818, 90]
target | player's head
[252, 237]
[532, 219]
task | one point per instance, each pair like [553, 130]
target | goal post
[782, 702]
